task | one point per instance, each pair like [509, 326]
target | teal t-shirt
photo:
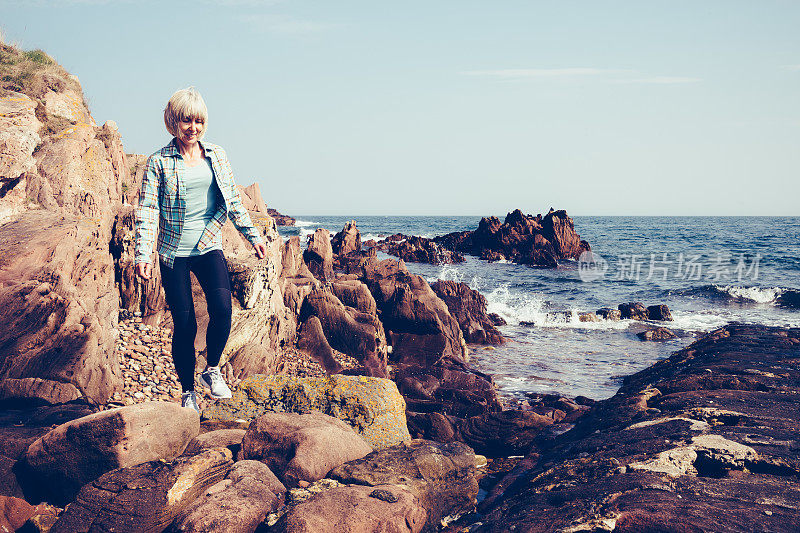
[201, 204]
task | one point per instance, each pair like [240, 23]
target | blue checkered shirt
[162, 204]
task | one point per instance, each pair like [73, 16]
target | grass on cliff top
[34, 73]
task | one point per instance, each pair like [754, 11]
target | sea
[710, 271]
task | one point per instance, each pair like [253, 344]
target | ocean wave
[760, 295]
[306, 223]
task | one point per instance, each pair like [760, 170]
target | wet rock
[353, 509]
[656, 334]
[442, 476]
[606, 313]
[302, 447]
[496, 319]
[633, 311]
[237, 504]
[146, 497]
[79, 451]
[468, 307]
[372, 406]
[659, 312]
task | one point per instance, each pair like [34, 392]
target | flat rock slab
[372, 406]
[302, 448]
[706, 440]
[143, 498]
[356, 509]
[237, 504]
[442, 476]
[74, 453]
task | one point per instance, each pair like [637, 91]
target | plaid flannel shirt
[162, 203]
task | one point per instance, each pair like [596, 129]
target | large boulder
[372, 406]
[417, 249]
[359, 335]
[356, 509]
[19, 137]
[468, 306]
[146, 497]
[633, 311]
[81, 450]
[420, 328]
[302, 448]
[237, 504]
[442, 476]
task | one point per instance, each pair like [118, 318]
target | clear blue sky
[680, 107]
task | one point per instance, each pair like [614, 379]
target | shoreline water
[710, 271]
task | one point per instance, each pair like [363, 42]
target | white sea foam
[697, 320]
[760, 295]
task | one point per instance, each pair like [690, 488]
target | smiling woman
[188, 190]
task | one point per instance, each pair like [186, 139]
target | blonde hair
[185, 104]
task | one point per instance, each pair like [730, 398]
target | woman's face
[189, 130]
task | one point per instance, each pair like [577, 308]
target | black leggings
[211, 271]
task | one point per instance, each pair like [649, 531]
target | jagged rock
[146, 497]
[633, 311]
[418, 250]
[253, 359]
[468, 306]
[372, 406]
[79, 451]
[14, 512]
[227, 438]
[348, 240]
[355, 294]
[496, 319]
[520, 238]
[252, 200]
[656, 334]
[442, 476]
[359, 335]
[281, 220]
[302, 447]
[355, 509]
[19, 137]
[659, 312]
[420, 327]
[238, 504]
[319, 255]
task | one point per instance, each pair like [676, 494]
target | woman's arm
[147, 212]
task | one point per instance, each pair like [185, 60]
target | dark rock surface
[468, 306]
[703, 441]
[281, 220]
[656, 334]
[521, 238]
[633, 311]
[442, 476]
[418, 250]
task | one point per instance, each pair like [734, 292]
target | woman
[188, 192]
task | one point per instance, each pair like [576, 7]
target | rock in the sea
[281, 220]
[521, 238]
[442, 476]
[348, 240]
[606, 313]
[237, 504]
[658, 312]
[656, 334]
[417, 249]
[633, 311]
[302, 448]
[468, 306]
[146, 497]
[81, 450]
[356, 509]
[372, 406]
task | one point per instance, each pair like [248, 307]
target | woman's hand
[144, 270]
[261, 250]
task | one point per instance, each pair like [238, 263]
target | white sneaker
[189, 400]
[213, 379]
